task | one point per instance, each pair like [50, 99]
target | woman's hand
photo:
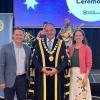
[85, 80]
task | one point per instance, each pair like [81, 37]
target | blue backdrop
[35, 12]
[6, 21]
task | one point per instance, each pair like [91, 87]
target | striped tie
[49, 45]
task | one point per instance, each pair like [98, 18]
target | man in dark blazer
[50, 61]
[14, 61]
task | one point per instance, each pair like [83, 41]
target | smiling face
[18, 36]
[49, 31]
[78, 37]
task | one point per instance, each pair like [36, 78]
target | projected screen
[35, 12]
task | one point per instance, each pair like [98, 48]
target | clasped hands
[49, 71]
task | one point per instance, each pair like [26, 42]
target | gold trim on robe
[44, 64]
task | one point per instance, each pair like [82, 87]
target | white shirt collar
[52, 40]
[16, 45]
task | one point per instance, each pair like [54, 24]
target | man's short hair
[18, 28]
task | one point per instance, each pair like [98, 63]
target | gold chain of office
[46, 48]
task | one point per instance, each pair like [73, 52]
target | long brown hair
[84, 41]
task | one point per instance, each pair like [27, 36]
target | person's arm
[88, 65]
[88, 59]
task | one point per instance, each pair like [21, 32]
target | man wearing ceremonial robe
[50, 61]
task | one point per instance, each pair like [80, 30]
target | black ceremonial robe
[46, 87]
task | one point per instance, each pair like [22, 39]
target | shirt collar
[16, 45]
[52, 40]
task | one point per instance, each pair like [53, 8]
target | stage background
[35, 12]
[92, 34]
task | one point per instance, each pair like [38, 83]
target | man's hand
[2, 86]
[49, 71]
[45, 71]
[53, 71]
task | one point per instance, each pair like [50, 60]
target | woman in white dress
[81, 63]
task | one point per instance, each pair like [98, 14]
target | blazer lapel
[26, 54]
[13, 51]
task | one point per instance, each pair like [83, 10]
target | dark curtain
[93, 38]
[6, 6]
